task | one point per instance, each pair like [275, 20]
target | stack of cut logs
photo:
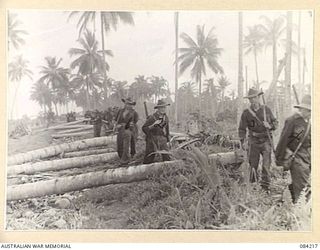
[72, 129]
[80, 154]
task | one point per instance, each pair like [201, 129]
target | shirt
[291, 135]
[161, 129]
[248, 121]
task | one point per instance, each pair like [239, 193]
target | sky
[147, 48]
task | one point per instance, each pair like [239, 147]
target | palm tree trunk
[240, 69]
[58, 149]
[274, 73]
[14, 99]
[60, 164]
[288, 64]
[56, 108]
[88, 95]
[103, 42]
[256, 65]
[299, 54]
[106, 177]
[200, 92]
[176, 19]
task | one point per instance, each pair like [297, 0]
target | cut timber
[75, 130]
[58, 149]
[88, 152]
[55, 165]
[67, 124]
[227, 158]
[89, 180]
[101, 178]
[71, 134]
[74, 127]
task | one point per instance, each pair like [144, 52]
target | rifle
[145, 109]
[265, 119]
[295, 94]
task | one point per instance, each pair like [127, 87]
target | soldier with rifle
[156, 129]
[259, 121]
[126, 125]
[96, 120]
[293, 151]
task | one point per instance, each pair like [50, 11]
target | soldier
[126, 124]
[293, 151]
[259, 142]
[156, 129]
[97, 123]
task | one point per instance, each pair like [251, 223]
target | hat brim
[126, 102]
[163, 105]
[255, 95]
[302, 106]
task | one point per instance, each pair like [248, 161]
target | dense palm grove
[87, 85]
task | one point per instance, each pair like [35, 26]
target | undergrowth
[198, 196]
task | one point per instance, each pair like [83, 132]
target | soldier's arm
[135, 117]
[167, 131]
[283, 141]
[242, 130]
[146, 126]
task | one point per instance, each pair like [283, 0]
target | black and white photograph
[159, 120]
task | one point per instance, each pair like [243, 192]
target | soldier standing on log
[293, 151]
[156, 129]
[259, 141]
[126, 125]
[97, 123]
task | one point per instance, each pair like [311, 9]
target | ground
[181, 198]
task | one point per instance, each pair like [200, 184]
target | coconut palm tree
[223, 83]
[88, 84]
[86, 17]
[119, 90]
[17, 70]
[89, 57]
[253, 43]
[159, 87]
[108, 20]
[140, 89]
[200, 54]
[176, 73]
[271, 31]
[15, 33]
[52, 74]
[41, 94]
[89, 63]
[187, 94]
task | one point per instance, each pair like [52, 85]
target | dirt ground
[97, 208]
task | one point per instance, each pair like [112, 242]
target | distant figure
[156, 129]
[126, 124]
[293, 151]
[97, 123]
[252, 119]
[107, 120]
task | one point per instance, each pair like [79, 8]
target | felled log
[88, 152]
[73, 127]
[58, 149]
[101, 178]
[75, 130]
[67, 124]
[55, 165]
[88, 180]
[71, 134]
